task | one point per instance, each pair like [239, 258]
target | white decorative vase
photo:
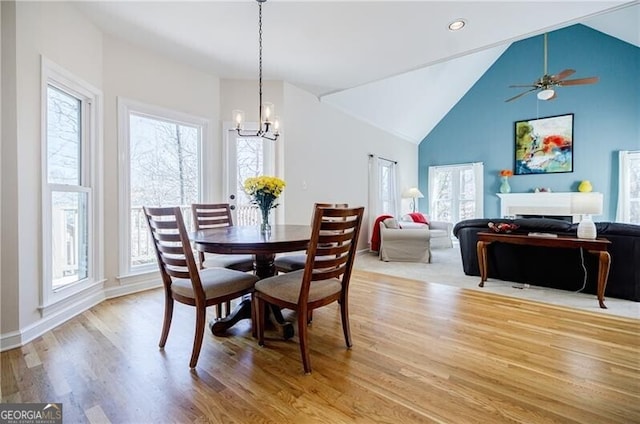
[586, 228]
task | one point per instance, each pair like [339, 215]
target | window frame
[91, 99]
[623, 210]
[126, 107]
[456, 170]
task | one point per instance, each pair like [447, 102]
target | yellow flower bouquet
[264, 190]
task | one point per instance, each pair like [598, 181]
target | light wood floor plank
[423, 353]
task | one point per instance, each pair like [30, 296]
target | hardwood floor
[422, 353]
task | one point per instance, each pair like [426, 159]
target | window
[387, 194]
[629, 187]
[455, 192]
[246, 157]
[383, 189]
[162, 167]
[71, 225]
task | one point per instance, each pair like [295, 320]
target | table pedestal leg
[264, 265]
[243, 311]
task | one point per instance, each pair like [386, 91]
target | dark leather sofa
[556, 267]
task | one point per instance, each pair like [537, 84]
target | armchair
[404, 244]
[440, 230]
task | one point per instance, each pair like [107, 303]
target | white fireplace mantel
[545, 204]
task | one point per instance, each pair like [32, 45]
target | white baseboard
[25, 335]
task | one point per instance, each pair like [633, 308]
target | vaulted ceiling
[394, 64]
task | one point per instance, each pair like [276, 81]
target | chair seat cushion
[237, 262]
[287, 287]
[288, 263]
[216, 282]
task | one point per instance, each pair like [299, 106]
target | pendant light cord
[260, 63]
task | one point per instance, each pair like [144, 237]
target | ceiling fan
[545, 84]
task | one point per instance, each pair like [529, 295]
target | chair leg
[197, 340]
[227, 309]
[168, 315]
[309, 316]
[304, 341]
[218, 310]
[254, 315]
[260, 310]
[344, 314]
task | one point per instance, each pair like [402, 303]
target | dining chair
[183, 281]
[288, 263]
[216, 215]
[324, 279]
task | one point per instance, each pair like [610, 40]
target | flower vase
[504, 186]
[265, 227]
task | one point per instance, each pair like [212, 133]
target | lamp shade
[412, 192]
[586, 203]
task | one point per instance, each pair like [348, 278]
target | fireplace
[548, 205]
[567, 218]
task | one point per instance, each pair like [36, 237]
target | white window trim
[623, 211]
[125, 108]
[53, 74]
[478, 171]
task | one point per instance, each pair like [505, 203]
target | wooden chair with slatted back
[183, 281]
[216, 215]
[324, 280]
[288, 263]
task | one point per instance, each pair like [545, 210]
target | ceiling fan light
[546, 94]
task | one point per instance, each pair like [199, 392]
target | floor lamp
[412, 193]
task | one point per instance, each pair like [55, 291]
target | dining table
[242, 240]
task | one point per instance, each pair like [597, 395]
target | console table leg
[604, 262]
[481, 249]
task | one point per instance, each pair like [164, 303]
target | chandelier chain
[260, 62]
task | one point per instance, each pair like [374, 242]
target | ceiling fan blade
[579, 81]
[521, 94]
[562, 75]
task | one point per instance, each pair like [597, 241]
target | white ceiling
[381, 61]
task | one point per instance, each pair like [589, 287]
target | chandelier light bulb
[267, 110]
[238, 118]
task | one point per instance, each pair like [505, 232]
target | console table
[597, 247]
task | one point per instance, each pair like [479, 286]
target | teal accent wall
[480, 127]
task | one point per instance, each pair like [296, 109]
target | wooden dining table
[240, 240]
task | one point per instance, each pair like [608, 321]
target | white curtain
[383, 189]
[626, 161]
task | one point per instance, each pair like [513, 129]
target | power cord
[584, 269]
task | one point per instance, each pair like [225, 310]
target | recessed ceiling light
[457, 25]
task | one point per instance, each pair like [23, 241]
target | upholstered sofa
[556, 267]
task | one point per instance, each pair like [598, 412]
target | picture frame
[544, 145]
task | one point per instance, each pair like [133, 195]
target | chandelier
[269, 125]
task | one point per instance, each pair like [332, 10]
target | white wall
[58, 32]
[322, 153]
[326, 154]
